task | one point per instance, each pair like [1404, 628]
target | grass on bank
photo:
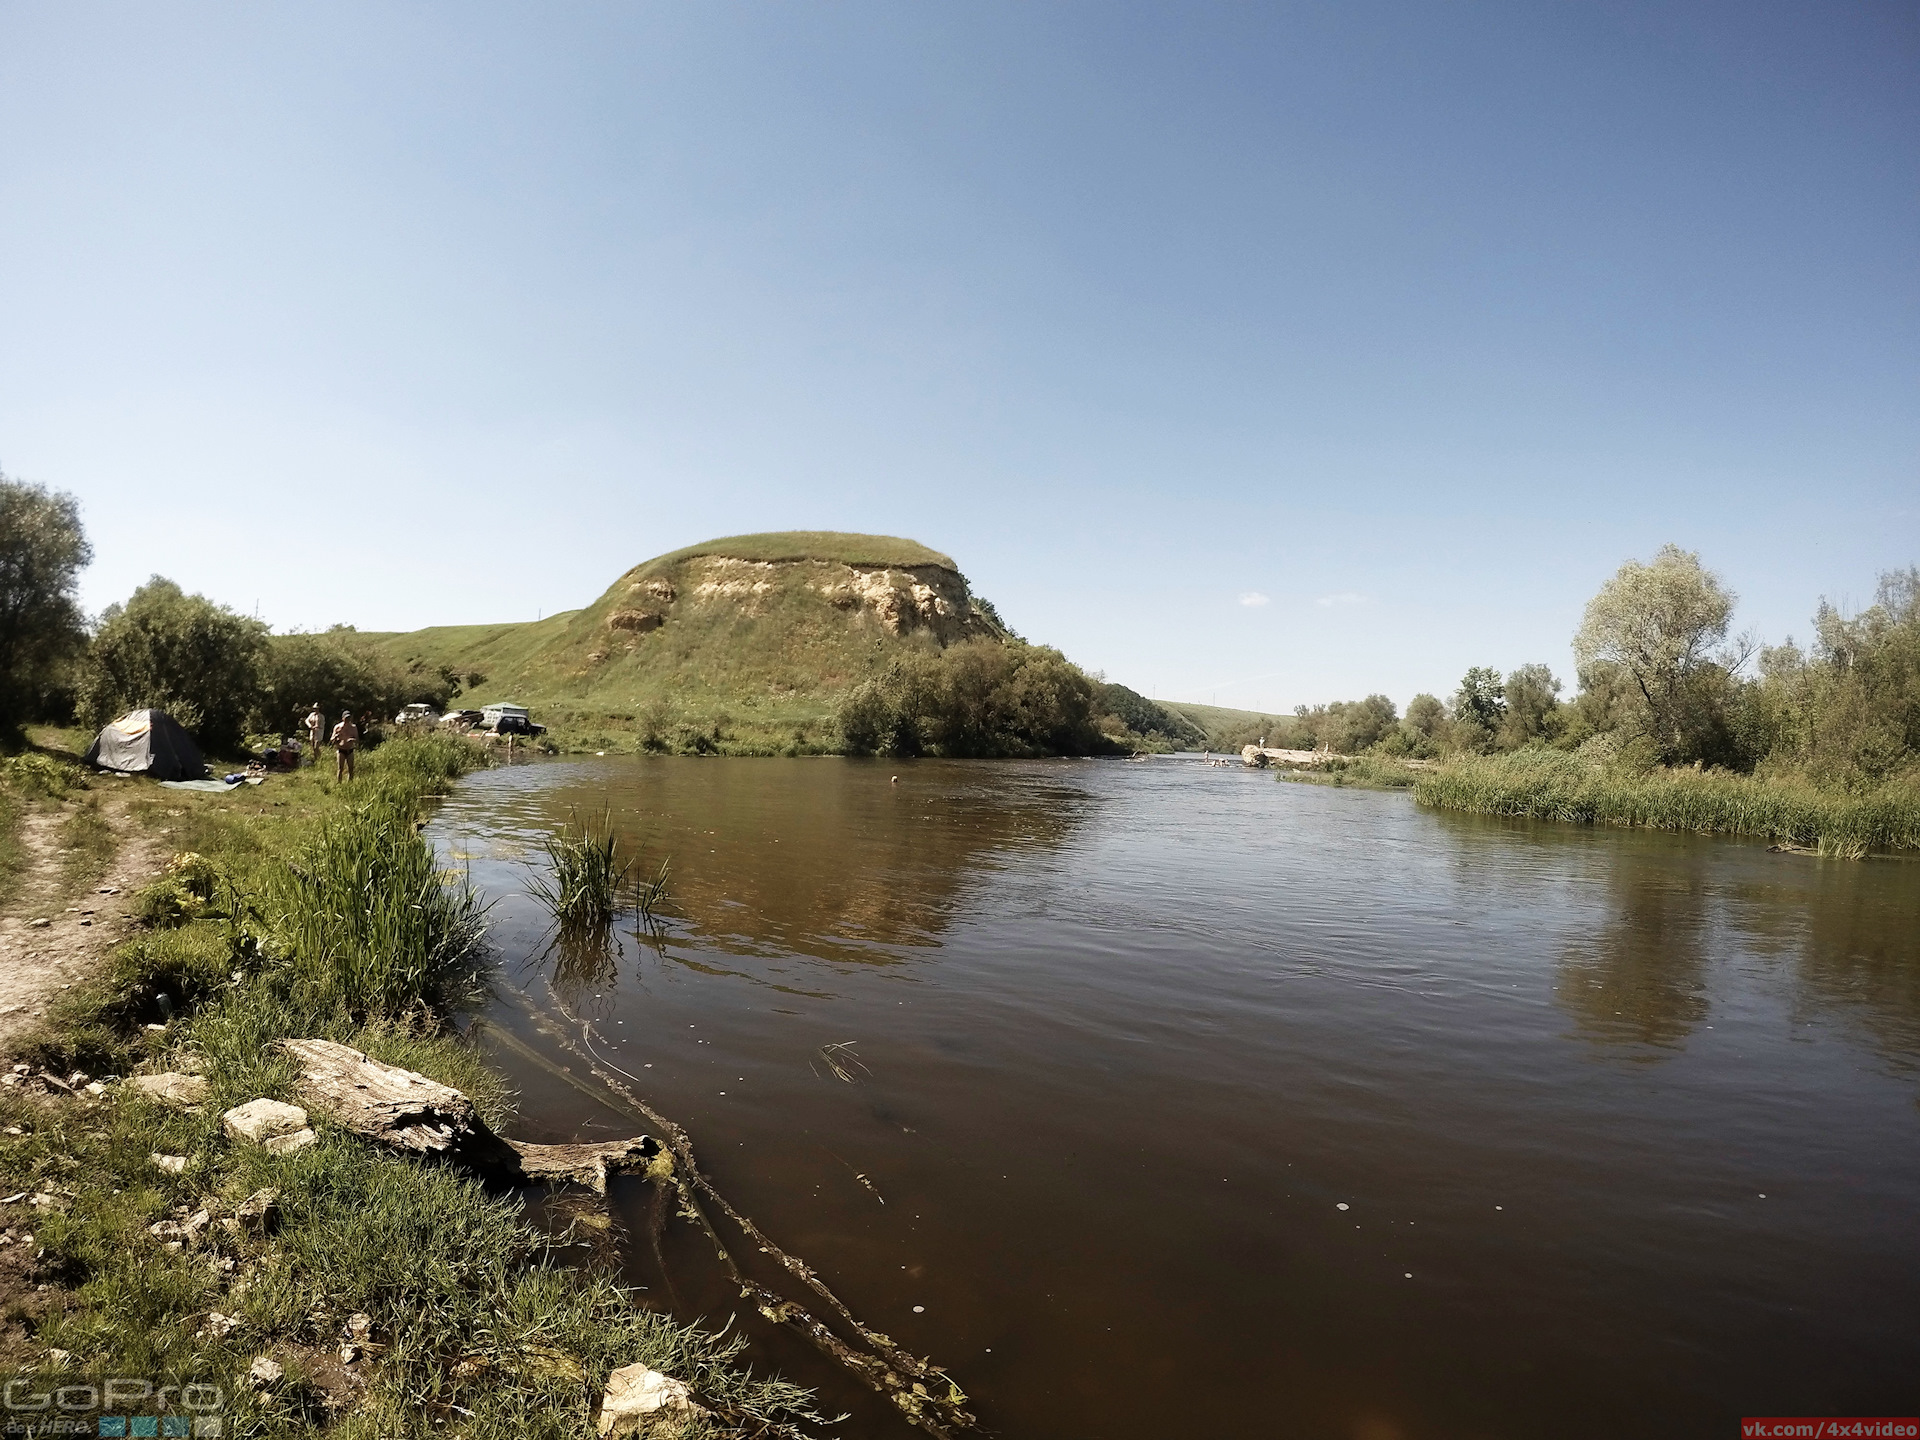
[1554, 785]
[315, 911]
[33, 779]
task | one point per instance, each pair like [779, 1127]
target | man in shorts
[346, 737]
[316, 731]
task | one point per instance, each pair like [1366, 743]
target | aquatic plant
[586, 874]
[650, 895]
[1552, 785]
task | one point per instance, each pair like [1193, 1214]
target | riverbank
[1553, 785]
[396, 1299]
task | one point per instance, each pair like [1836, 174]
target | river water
[1195, 1103]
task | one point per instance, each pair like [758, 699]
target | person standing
[316, 730]
[346, 738]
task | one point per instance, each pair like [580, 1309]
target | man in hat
[346, 737]
[316, 730]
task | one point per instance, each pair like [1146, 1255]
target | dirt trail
[37, 962]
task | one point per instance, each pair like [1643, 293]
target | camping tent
[148, 742]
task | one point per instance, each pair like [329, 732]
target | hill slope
[748, 640]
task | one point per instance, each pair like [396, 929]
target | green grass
[1363, 772]
[323, 917]
[13, 855]
[832, 545]
[1552, 785]
[87, 845]
[1228, 729]
[35, 778]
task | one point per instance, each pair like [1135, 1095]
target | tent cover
[148, 742]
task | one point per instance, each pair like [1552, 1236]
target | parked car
[461, 719]
[509, 720]
[415, 715]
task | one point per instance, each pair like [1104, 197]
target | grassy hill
[1230, 729]
[744, 643]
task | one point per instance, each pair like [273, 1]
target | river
[1191, 1102]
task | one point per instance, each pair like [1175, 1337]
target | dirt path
[38, 961]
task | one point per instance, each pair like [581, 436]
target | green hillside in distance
[745, 643]
[1228, 729]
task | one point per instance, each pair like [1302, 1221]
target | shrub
[181, 653]
[978, 698]
[33, 774]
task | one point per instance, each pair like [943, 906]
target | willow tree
[42, 552]
[1663, 627]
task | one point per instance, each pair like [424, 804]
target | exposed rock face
[902, 598]
[722, 575]
[924, 597]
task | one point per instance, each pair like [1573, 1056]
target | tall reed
[586, 874]
[359, 917]
[1552, 785]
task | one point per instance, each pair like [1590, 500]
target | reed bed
[1552, 785]
[588, 880]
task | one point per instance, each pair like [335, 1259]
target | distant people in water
[346, 739]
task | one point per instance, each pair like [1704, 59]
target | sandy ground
[37, 962]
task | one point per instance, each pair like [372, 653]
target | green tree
[1479, 708]
[42, 552]
[980, 697]
[1663, 625]
[167, 650]
[1532, 694]
[1426, 716]
[338, 669]
[1848, 711]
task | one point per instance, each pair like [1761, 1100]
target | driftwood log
[422, 1117]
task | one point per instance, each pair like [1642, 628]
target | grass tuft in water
[586, 874]
[587, 880]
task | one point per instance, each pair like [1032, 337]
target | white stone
[291, 1144]
[264, 1372]
[172, 1164]
[261, 1120]
[635, 1393]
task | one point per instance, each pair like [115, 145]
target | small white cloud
[1343, 597]
[1253, 598]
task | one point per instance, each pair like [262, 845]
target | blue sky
[1272, 354]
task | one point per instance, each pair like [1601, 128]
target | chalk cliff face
[896, 600]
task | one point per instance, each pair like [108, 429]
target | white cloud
[1253, 598]
[1342, 597]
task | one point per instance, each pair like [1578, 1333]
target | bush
[32, 774]
[978, 698]
[340, 670]
[167, 650]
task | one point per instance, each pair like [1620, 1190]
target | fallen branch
[408, 1112]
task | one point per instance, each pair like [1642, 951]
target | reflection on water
[1639, 976]
[1301, 1105]
[867, 870]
